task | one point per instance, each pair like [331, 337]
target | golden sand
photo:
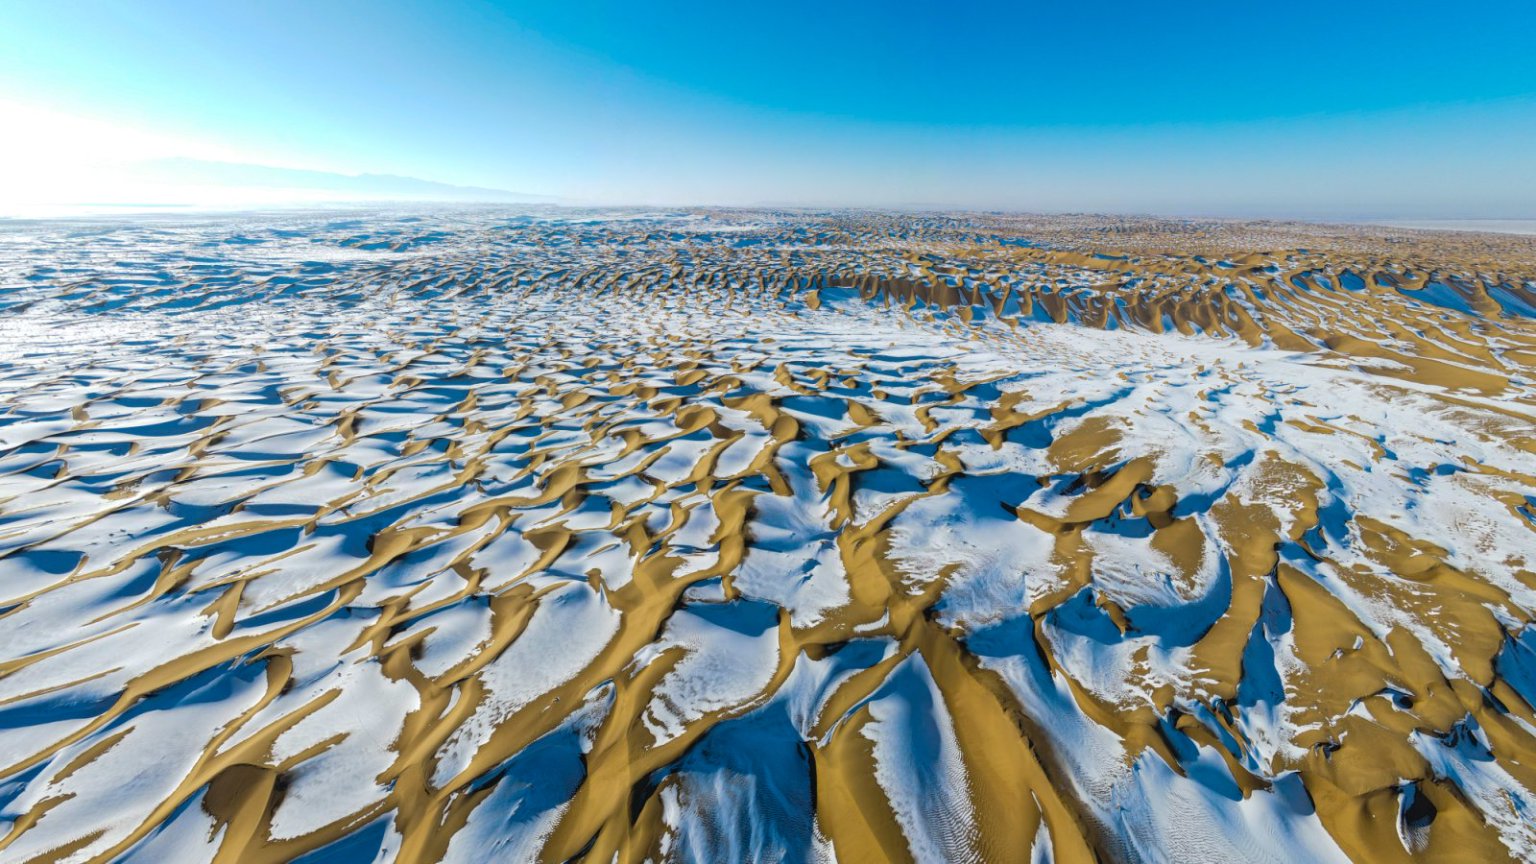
[880, 538]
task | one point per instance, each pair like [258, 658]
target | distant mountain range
[178, 171]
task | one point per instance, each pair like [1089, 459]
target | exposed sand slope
[761, 536]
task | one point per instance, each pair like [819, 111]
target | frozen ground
[760, 536]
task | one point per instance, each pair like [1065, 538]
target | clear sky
[1345, 108]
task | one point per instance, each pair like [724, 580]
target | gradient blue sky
[1322, 109]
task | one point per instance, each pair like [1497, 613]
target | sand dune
[765, 536]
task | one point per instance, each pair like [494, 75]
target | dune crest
[729, 535]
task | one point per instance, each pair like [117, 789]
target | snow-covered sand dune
[734, 536]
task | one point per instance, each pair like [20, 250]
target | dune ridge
[752, 535]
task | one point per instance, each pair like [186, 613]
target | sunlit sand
[754, 536]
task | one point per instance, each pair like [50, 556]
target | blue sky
[1344, 108]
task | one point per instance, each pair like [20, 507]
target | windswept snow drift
[761, 536]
